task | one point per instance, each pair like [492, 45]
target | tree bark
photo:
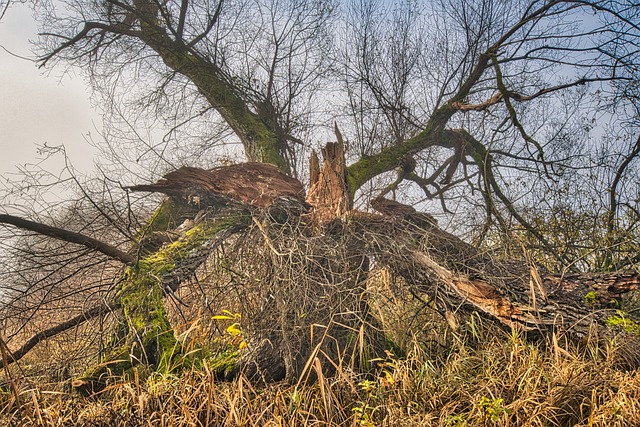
[144, 334]
[329, 192]
[514, 293]
[259, 140]
[68, 236]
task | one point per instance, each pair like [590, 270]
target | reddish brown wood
[254, 184]
[329, 193]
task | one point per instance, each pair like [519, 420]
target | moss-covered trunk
[144, 335]
[258, 137]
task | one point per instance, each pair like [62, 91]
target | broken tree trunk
[303, 278]
[203, 209]
[328, 189]
[323, 311]
[308, 276]
[515, 293]
[323, 314]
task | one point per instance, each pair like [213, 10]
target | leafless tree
[474, 109]
[513, 80]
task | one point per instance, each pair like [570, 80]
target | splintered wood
[329, 192]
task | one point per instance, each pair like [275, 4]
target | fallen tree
[324, 257]
[301, 266]
[456, 107]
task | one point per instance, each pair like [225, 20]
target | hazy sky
[38, 106]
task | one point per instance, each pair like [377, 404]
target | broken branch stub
[329, 193]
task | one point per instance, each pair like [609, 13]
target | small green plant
[492, 409]
[363, 410]
[364, 414]
[458, 420]
[368, 386]
[620, 321]
[387, 367]
[591, 299]
[234, 331]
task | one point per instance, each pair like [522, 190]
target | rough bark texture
[512, 292]
[253, 184]
[329, 191]
[259, 139]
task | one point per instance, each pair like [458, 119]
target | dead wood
[329, 191]
[301, 281]
[17, 354]
[314, 274]
[68, 236]
[514, 292]
[252, 184]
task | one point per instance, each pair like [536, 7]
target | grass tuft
[484, 378]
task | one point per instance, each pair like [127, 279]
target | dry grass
[486, 377]
[479, 375]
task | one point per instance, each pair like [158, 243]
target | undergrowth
[486, 377]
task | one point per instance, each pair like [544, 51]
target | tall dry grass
[484, 377]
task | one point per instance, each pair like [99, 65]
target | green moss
[591, 299]
[165, 217]
[368, 167]
[146, 334]
[258, 137]
[165, 259]
[149, 328]
[225, 363]
[256, 133]
[621, 322]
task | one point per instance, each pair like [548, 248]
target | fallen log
[514, 292]
[323, 259]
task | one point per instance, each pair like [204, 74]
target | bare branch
[68, 236]
[481, 106]
[88, 27]
[55, 330]
[613, 195]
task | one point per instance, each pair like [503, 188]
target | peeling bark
[457, 275]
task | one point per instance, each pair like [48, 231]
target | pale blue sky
[37, 106]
